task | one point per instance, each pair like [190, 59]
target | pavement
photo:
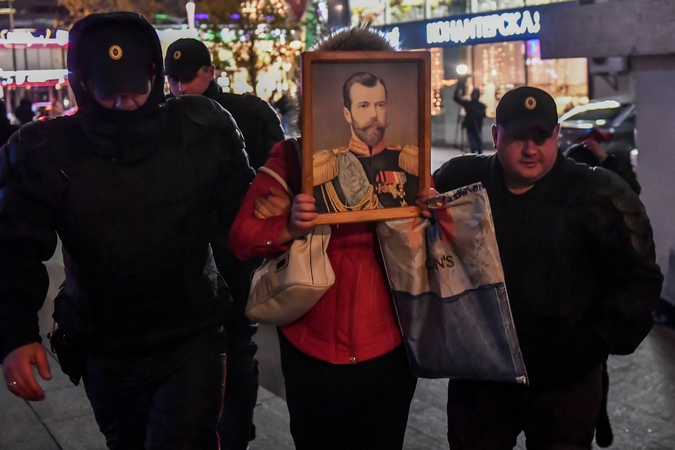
[641, 399]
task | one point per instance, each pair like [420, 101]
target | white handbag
[286, 287]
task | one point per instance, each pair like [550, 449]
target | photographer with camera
[474, 111]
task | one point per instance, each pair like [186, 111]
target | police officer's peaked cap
[119, 58]
[527, 107]
[185, 57]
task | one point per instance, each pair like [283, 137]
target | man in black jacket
[6, 128]
[189, 71]
[578, 257]
[589, 151]
[136, 188]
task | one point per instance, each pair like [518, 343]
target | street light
[190, 8]
[11, 16]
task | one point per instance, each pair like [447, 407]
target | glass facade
[565, 79]
[494, 67]
[477, 6]
[383, 12]
[498, 68]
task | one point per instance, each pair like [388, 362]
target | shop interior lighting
[27, 38]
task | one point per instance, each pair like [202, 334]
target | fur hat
[359, 38]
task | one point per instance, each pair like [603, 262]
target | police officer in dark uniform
[578, 256]
[136, 189]
[189, 71]
[368, 173]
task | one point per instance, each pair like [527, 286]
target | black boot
[603, 429]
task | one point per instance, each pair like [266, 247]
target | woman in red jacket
[348, 382]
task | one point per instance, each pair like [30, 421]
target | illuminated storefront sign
[508, 25]
[24, 78]
[504, 25]
[30, 38]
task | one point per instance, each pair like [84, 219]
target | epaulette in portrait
[325, 165]
[409, 160]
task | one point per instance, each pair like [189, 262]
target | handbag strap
[276, 176]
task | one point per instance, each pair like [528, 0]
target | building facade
[33, 66]
[495, 43]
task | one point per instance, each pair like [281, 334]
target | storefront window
[364, 11]
[565, 79]
[411, 10]
[406, 10]
[445, 8]
[494, 5]
[498, 68]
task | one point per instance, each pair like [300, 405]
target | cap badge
[530, 103]
[177, 54]
[115, 52]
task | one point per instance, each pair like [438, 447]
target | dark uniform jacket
[136, 197]
[578, 258]
[260, 125]
[256, 119]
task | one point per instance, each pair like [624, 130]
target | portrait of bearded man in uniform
[368, 173]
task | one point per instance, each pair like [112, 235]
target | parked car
[612, 118]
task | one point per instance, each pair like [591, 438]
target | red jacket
[354, 321]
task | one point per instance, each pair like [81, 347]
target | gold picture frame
[372, 108]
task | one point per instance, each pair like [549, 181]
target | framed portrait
[366, 133]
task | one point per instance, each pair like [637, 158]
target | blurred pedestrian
[189, 70]
[474, 112]
[579, 262]
[24, 112]
[589, 151]
[6, 128]
[136, 189]
[346, 373]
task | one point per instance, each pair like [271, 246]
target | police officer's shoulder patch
[324, 166]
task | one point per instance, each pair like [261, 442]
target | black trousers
[347, 406]
[236, 427]
[490, 416]
[166, 400]
[475, 141]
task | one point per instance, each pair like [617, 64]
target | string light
[437, 74]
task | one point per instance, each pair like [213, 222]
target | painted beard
[371, 133]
